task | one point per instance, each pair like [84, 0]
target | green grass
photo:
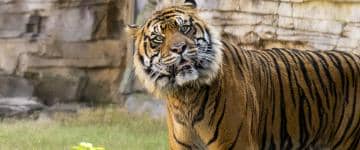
[110, 128]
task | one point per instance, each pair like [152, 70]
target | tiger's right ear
[132, 30]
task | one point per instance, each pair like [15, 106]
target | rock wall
[303, 24]
[67, 50]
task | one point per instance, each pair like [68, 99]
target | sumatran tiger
[220, 96]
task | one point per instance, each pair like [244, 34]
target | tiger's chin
[185, 76]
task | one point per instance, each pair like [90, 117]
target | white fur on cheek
[142, 76]
[208, 75]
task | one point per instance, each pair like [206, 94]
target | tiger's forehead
[174, 22]
[163, 21]
[179, 14]
[175, 10]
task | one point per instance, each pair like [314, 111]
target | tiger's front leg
[223, 130]
[181, 136]
[223, 136]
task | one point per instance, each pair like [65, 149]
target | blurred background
[64, 55]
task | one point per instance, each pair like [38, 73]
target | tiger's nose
[178, 47]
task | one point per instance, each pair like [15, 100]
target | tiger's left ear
[191, 3]
[132, 30]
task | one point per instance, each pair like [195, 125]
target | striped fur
[256, 99]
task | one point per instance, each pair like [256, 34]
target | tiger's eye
[156, 40]
[185, 29]
[159, 38]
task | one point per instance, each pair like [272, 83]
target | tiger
[221, 96]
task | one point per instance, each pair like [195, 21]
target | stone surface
[11, 86]
[19, 107]
[10, 52]
[12, 25]
[33, 61]
[319, 24]
[103, 85]
[58, 85]
[346, 11]
[76, 24]
[69, 50]
[352, 30]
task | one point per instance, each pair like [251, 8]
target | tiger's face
[175, 48]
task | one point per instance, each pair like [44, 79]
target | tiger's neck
[190, 103]
[192, 114]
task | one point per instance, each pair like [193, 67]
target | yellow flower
[86, 146]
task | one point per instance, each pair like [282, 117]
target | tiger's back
[306, 99]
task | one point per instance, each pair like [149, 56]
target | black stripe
[338, 67]
[284, 135]
[272, 144]
[237, 59]
[145, 49]
[264, 111]
[232, 145]
[357, 126]
[356, 140]
[264, 139]
[318, 99]
[178, 120]
[202, 28]
[288, 70]
[187, 146]
[305, 73]
[309, 83]
[210, 36]
[330, 80]
[226, 57]
[347, 128]
[353, 60]
[215, 108]
[141, 59]
[302, 125]
[343, 76]
[238, 55]
[216, 133]
[200, 115]
[169, 12]
[315, 65]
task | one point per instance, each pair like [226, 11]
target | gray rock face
[317, 25]
[69, 50]
[76, 24]
[20, 107]
[12, 25]
[11, 86]
[53, 88]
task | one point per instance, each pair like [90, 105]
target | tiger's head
[176, 48]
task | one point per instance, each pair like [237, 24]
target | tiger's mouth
[182, 73]
[183, 67]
